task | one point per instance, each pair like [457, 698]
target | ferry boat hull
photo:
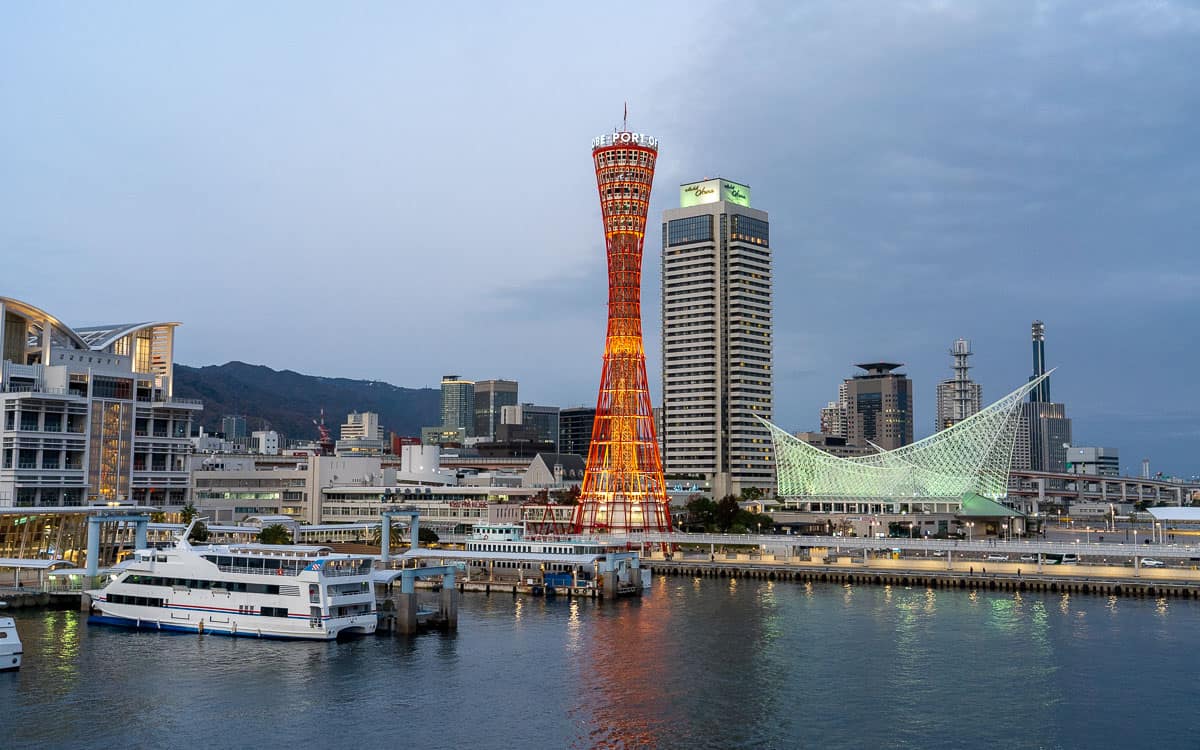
[233, 630]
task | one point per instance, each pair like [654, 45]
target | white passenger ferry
[255, 590]
[510, 537]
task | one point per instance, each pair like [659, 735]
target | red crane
[326, 440]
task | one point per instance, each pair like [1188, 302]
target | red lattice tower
[623, 489]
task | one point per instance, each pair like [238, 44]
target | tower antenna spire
[625, 119]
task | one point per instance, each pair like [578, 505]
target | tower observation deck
[623, 489]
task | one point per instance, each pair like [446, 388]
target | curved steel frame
[623, 489]
[974, 455]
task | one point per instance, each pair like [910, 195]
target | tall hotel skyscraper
[716, 338]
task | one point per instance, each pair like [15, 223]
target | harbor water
[710, 663]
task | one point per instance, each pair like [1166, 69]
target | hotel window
[693, 229]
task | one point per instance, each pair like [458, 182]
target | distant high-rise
[458, 403]
[542, 420]
[716, 338]
[234, 427]
[490, 397]
[1046, 427]
[958, 397]
[879, 406]
[575, 429]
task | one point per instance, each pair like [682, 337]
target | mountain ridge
[288, 401]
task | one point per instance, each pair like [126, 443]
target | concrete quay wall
[934, 579]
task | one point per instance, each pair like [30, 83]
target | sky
[396, 192]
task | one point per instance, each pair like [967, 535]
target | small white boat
[249, 590]
[10, 645]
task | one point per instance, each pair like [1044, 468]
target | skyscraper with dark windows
[458, 403]
[879, 406]
[490, 397]
[716, 338]
[1045, 428]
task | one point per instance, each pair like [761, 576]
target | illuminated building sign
[625, 139]
[711, 191]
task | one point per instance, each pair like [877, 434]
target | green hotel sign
[711, 191]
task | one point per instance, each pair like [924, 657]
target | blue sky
[378, 191]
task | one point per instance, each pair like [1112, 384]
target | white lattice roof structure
[974, 455]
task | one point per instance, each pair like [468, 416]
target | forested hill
[288, 402]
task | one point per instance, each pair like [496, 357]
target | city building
[959, 397]
[554, 471]
[717, 338]
[1093, 461]
[575, 429]
[362, 435]
[444, 436]
[265, 442]
[89, 413]
[967, 463]
[834, 445]
[1045, 423]
[623, 487]
[878, 407]
[543, 420]
[458, 404]
[490, 397]
[233, 426]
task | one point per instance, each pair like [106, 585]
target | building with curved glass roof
[972, 458]
[88, 414]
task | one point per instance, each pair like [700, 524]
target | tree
[566, 497]
[395, 538]
[426, 535]
[276, 533]
[751, 494]
[199, 532]
[158, 517]
[726, 513]
[701, 513]
[187, 513]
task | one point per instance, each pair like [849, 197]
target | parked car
[1150, 562]
[1070, 558]
[997, 557]
[1028, 558]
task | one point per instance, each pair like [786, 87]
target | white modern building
[716, 338]
[89, 415]
[361, 435]
[265, 442]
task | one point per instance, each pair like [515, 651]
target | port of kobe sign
[625, 139]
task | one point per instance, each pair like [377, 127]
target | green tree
[276, 533]
[426, 535]
[395, 538]
[158, 517]
[701, 513]
[751, 494]
[727, 512]
[187, 513]
[199, 532]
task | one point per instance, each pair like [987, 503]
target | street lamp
[1004, 530]
[970, 528]
[1089, 534]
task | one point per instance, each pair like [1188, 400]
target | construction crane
[326, 440]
